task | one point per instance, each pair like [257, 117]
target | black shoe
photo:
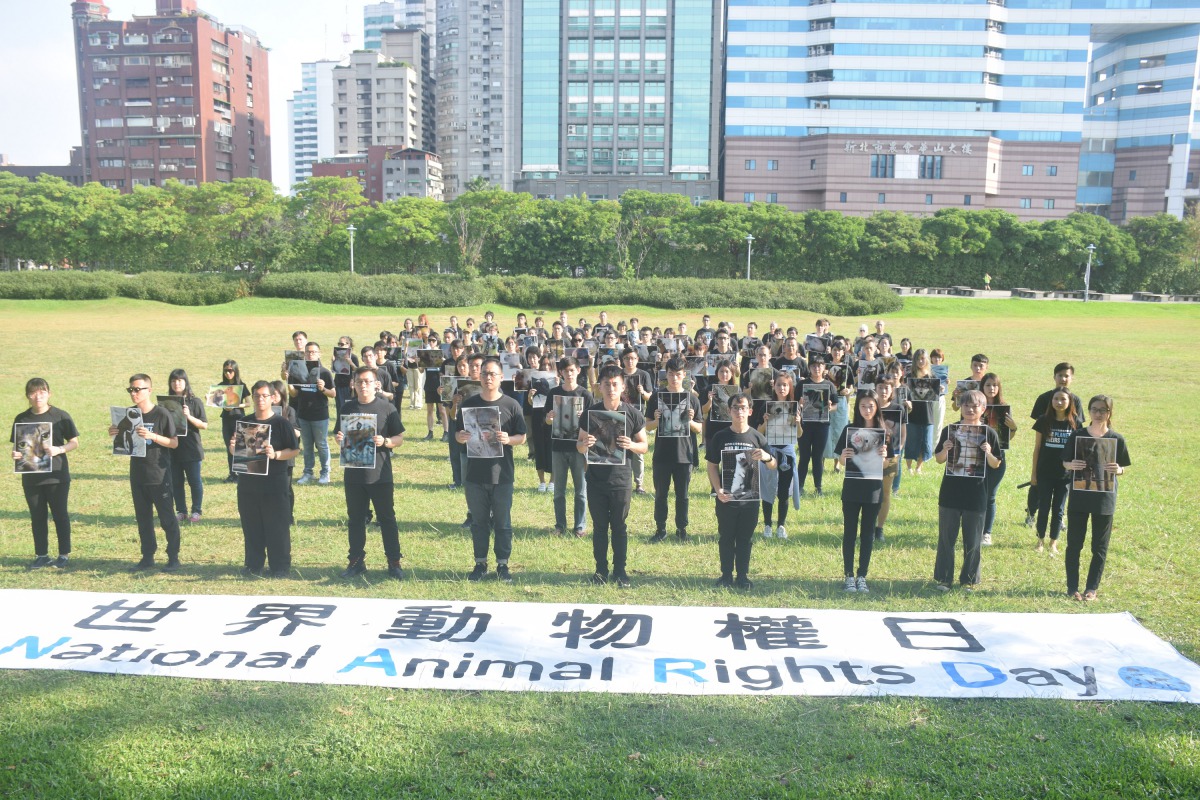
[60, 562]
[429, 437]
[478, 573]
[743, 583]
[879, 537]
[172, 565]
[599, 578]
[724, 582]
[819, 493]
[247, 572]
[502, 573]
[231, 478]
[147, 562]
[445, 437]
[622, 580]
[466, 523]
[394, 570]
[41, 561]
[658, 537]
[681, 536]
[355, 568]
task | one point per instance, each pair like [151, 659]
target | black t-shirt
[1055, 434]
[312, 405]
[565, 445]
[152, 469]
[728, 441]
[858, 490]
[387, 424]
[190, 447]
[801, 366]
[1043, 402]
[283, 437]
[512, 422]
[613, 476]
[62, 431]
[674, 450]
[967, 494]
[1095, 502]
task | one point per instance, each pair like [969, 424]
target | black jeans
[736, 523]
[864, 531]
[1051, 500]
[147, 499]
[359, 499]
[1077, 528]
[51, 498]
[609, 507]
[811, 449]
[266, 528]
[228, 426]
[189, 471]
[681, 476]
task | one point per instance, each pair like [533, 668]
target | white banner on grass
[432, 644]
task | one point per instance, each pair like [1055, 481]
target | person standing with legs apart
[312, 411]
[371, 486]
[231, 375]
[1097, 507]
[150, 475]
[564, 457]
[861, 497]
[488, 480]
[1047, 475]
[672, 461]
[783, 482]
[45, 473]
[610, 487]
[1064, 375]
[814, 440]
[736, 519]
[263, 501]
[187, 458]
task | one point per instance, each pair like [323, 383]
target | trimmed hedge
[851, 297]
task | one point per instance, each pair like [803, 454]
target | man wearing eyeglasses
[366, 487]
[150, 477]
[489, 481]
[263, 501]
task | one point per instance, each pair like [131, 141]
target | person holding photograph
[1047, 474]
[979, 365]
[736, 521]
[564, 456]
[994, 393]
[312, 410]
[489, 481]
[189, 455]
[231, 375]
[723, 375]
[843, 381]
[937, 368]
[962, 500]
[610, 486]
[814, 440]
[918, 447]
[1096, 507]
[372, 486]
[861, 498]
[638, 390]
[430, 382]
[782, 482]
[279, 398]
[1064, 375]
[672, 462]
[264, 501]
[46, 493]
[535, 422]
[150, 475]
[885, 397]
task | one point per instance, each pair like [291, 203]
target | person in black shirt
[736, 519]
[609, 487]
[231, 375]
[312, 410]
[563, 456]
[279, 398]
[1047, 475]
[264, 500]
[861, 498]
[1064, 374]
[46, 491]
[638, 389]
[149, 476]
[187, 458]
[372, 486]
[672, 462]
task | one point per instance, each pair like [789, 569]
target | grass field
[81, 735]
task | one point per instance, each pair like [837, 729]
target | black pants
[736, 523]
[858, 521]
[681, 476]
[360, 497]
[783, 493]
[1051, 500]
[147, 499]
[228, 425]
[266, 528]
[1077, 528]
[609, 507]
[811, 449]
[49, 499]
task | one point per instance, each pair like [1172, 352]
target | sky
[39, 119]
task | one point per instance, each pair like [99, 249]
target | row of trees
[216, 226]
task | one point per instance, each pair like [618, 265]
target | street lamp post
[749, 245]
[351, 229]
[1087, 274]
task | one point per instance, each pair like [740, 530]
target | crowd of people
[760, 412]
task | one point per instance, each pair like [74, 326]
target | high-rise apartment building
[618, 95]
[173, 95]
[1032, 106]
[378, 17]
[476, 112]
[310, 119]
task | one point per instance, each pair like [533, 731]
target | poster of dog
[672, 415]
[510, 365]
[780, 419]
[718, 411]
[173, 405]
[739, 476]
[816, 402]
[228, 396]
[483, 424]
[867, 463]
[293, 361]
[762, 383]
[250, 440]
[126, 442]
[924, 390]
[358, 441]
[1095, 453]
[430, 358]
[31, 443]
[965, 458]
[565, 425]
[606, 426]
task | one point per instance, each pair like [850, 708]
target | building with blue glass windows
[617, 95]
[1038, 107]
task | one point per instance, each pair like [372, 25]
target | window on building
[747, 197]
[812, 163]
[751, 163]
[882, 198]
[1048, 203]
[966, 199]
[928, 199]
[1026, 202]
[929, 167]
[842, 197]
[772, 164]
[1052, 170]
[772, 197]
[1027, 169]
[883, 166]
[1132, 175]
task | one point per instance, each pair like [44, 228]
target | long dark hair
[281, 389]
[859, 422]
[1051, 416]
[179, 374]
[237, 372]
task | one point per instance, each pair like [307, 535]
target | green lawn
[80, 735]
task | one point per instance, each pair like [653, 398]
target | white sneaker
[542, 488]
[987, 540]
[862, 585]
[851, 584]
[550, 486]
[768, 532]
[781, 532]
